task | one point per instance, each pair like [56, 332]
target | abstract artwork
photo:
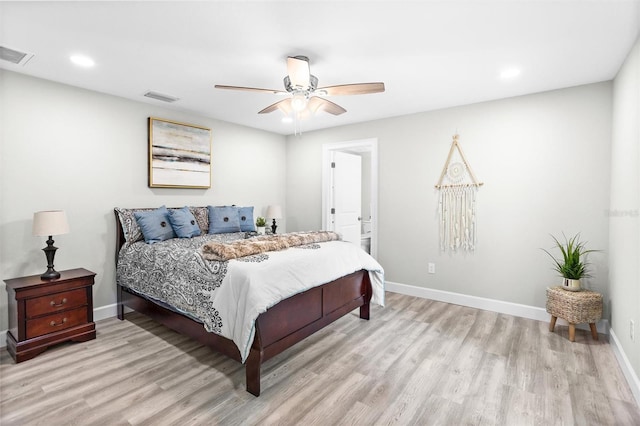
[179, 155]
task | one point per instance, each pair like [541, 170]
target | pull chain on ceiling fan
[305, 93]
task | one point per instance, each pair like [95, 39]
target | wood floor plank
[613, 381]
[454, 384]
[484, 395]
[416, 361]
[519, 407]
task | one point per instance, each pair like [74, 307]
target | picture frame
[179, 155]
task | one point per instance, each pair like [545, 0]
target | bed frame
[277, 329]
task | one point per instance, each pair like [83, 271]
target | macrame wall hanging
[457, 202]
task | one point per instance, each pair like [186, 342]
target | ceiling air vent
[14, 56]
[161, 97]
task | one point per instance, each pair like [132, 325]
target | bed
[261, 329]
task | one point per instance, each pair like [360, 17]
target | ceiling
[429, 54]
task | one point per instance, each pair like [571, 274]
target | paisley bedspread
[228, 296]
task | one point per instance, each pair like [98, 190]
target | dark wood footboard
[298, 317]
[277, 329]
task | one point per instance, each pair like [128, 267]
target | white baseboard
[524, 311]
[625, 366]
[493, 305]
[105, 312]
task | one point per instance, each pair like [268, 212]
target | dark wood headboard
[119, 235]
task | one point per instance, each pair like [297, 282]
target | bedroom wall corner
[69, 148]
[624, 210]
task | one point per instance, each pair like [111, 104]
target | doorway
[367, 149]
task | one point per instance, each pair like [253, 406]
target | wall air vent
[161, 97]
[14, 56]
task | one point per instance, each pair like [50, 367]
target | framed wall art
[179, 155]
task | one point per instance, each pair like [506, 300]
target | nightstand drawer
[56, 322]
[56, 302]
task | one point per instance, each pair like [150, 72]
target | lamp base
[50, 252]
[51, 274]
[274, 226]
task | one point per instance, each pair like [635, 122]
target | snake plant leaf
[571, 265]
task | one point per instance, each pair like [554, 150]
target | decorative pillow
[245, 215]
[155, 225]
[184, 223]
[223, 219]
[202, 217]
[130, 228]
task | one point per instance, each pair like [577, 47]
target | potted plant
[572, 267]
[261, 222]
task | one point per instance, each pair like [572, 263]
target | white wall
[85, 152]
[545, 162]
[624, 231]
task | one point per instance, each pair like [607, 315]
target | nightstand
[44, 313]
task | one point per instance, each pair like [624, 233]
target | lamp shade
[51, 222]
[274, 212]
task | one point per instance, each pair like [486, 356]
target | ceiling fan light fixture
[285, 107]
[305, 99]
[309, 86]
[299, 102]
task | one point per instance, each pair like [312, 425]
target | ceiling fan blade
[298, 70]
[249, 89]
[283, 105]
[351, 89]
[316, 103]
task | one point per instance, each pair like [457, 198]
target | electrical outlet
[432, 268]
[631, 330]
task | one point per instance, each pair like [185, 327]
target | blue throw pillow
[184, 223]
[245, 215]
[155, 225]
[223, 220]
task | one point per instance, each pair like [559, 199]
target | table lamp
[49, 223]
[274, 212]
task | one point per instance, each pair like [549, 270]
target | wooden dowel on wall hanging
[460, 185]
[456, 145]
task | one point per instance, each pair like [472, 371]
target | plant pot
[571, 285]
[260, 230]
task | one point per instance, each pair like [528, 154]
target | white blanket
[249, 288]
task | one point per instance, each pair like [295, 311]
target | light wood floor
[416, 362]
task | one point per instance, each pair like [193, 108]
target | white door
[347, 187]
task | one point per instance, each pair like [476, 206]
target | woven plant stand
[576, 307]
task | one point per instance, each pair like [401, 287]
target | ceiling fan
[305, 91]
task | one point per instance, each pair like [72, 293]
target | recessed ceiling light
[510, 73]
[82, 61]
[287, 119]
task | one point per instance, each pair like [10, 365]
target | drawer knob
[53, 323]
[53, 303]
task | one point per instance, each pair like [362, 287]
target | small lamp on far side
[49, 223]
[274, 212]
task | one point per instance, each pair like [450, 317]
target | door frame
[352, 147]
